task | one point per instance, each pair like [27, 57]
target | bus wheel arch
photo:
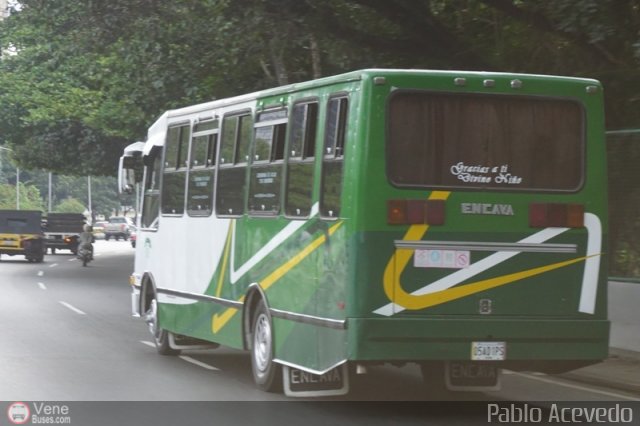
[254, 296]
[149, 312]
[147, 292]
[259, 339]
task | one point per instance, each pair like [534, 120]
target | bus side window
[266, 166]
[175, 170]
[201, 168]
[300, 164]
[333, 157]
[151, 199]
[232, 164]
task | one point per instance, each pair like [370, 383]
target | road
[68, 335]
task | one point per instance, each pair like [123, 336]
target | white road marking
[53, 265]
[198, 363]
[42, 286]
[186, 358]
[549, 380]
[73, 308]
[73, 259]
[40, 273]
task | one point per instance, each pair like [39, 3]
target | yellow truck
[21, 234]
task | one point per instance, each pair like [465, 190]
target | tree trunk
[316, 65]
[282, 76]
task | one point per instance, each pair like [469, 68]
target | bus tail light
[543, 215]
[414, 212]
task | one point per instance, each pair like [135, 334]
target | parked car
[118, 227]
[98, 229]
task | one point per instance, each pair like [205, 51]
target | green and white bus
[452, 219]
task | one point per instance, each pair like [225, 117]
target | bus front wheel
[266, 373]
[160, 335]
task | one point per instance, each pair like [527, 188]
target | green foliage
[104, 197]
[88, 77]
[30, 198]
[70, 205]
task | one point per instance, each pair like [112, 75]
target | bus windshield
[485, 141]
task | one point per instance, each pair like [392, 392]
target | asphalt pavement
[622, 369]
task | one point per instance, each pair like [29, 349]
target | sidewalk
[620, 371]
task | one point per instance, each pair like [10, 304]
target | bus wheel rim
[151, 318]
[262, 343]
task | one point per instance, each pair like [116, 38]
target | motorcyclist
[86, 239]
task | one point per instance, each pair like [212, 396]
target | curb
[614, 372]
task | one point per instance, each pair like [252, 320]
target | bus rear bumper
[551, 345]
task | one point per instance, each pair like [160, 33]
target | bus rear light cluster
[414, 212]
[544, 215]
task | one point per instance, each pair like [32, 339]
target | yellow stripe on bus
[219, 321]
[414, 302]
[400, 258]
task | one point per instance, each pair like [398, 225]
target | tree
[90, 76]
[70, 205]
[30, 198]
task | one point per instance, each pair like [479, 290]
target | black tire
[266, 374]
[53, 250]
[160, 335]
[84, 261]
[106, 237]
[434, 379]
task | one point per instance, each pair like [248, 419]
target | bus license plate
[488, 351]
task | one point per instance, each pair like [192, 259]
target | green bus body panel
[335, 269]
[412, 339]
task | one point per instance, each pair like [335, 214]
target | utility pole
[50, 192]
[89, 197]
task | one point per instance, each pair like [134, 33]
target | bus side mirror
[126, 176]
[130, 168]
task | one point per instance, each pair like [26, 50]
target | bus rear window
[485, 141]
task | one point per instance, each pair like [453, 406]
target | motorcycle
[85, 253]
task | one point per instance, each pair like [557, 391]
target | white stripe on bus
[589, 280]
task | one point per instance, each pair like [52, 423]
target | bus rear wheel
[434, 379]
[160, 335]
[266, 374]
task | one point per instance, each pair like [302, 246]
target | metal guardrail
[625, 280]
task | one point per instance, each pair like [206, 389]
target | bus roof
[156, 133]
